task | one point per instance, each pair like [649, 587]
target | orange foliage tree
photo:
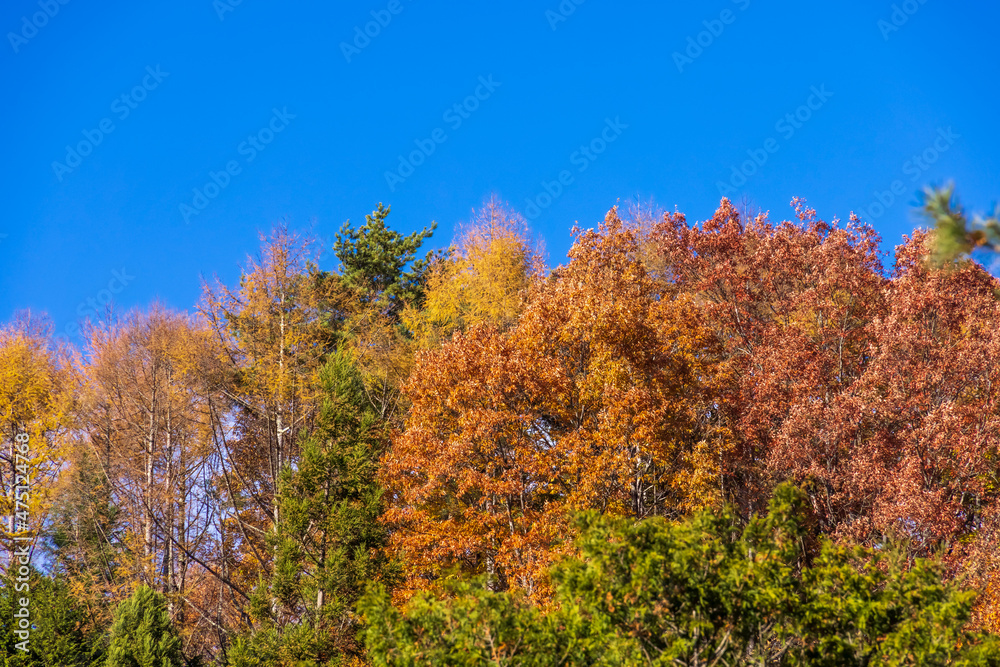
[669, 367]
[591, 401]
[871, 390]
[790, 304]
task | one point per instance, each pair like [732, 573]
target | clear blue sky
[216, 77]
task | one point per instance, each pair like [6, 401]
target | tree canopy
[737, 441]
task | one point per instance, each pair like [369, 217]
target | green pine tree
[142, 634]
[957, 233]
[62, 631]
[329, 542]
[697, 592]
[374, 261]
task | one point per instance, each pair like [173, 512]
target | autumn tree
[272, 337]
[37, 385]
[484, 278]
[700, 591]
[591, 401]
[868, 388]
[148, 432]
[925, 462]
[790, 305]
[140, 503]
[381, 277]
[330, 541]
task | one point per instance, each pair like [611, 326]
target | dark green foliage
[697, 592]
[142, 635]
[62, 632]
[690, 591]
[880, 614]
[298, 645]
[329, 543]
[477, 627]
[258, 649]
[374, 262]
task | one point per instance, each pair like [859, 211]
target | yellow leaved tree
[36, 399]
[483, 279]
[271, 330]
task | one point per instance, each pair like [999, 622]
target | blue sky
[290, 112]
